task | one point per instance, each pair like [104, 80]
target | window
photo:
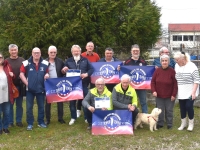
[197, 38]
[177, 37]
[188, 38]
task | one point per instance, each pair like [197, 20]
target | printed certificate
[102, 102]
[73, 73]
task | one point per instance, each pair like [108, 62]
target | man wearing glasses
[55, 66]
[162, 51]
[33, 72]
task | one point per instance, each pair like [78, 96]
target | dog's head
[156, 112]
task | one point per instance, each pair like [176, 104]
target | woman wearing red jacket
[6, 93]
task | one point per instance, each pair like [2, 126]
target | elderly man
[136, 60]
[86, 68]
[15, 61]
[33, 72]
[55, 66]
[100, 90]
[109, 58]
[162, 51]
[125, 97]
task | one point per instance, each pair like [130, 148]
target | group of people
[165, 85]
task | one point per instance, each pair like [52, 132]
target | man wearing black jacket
[55, 66]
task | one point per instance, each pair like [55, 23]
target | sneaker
[1, 132]
[42, 125]
[89, 127]
[6, 131]
[86, 121]
[29, 127]
[72, 121]
[78, 113]
[11, 125]
[19, 124]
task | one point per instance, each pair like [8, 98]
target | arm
[22, 76]
[153, 85]
[134, 99]
[115, 102]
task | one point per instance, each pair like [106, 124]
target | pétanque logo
[138, 76]
[64, 87]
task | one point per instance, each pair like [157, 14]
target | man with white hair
[100, 90]
[86, 68]
[162, 51]
[125, 97]
[55, 66]
[33, 72]
[15, 61]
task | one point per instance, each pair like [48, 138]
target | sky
[179, 11]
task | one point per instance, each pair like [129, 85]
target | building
[185, 35]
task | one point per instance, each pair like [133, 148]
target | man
[15, 61]
[55, 67]
[92, 57]
[125, 97]
[33, 72]
[109, 58]
[162, 51]
[136, 60]
[100, 90]
[86, 68]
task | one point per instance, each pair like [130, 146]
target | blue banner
[140, 75]
[106, 70]
[112, 122]
[63, 89]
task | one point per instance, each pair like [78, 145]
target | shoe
[19, 124]
[72, 122]
[86, 121]
[1, 132]
[61, 121]
[48, 122]
[29, 127]
[6, 131]
[11, 125]
[78, 112]
[42, 125]
[89, 127]
[159, 126]
[183, 124]
[169, 127]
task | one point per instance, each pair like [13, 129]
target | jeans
[40, 97]
[88, 114]
[186, 106]
[48, 111]
[72, 107]
[19, 109]
[5, 109]
[143, 102]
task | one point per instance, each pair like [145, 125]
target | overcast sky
[179, 11]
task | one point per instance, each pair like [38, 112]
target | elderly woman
[187, 76]
[5, 93]
[164, 88]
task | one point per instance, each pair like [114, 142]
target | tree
[31, 23]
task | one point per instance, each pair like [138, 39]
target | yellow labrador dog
[150, 119]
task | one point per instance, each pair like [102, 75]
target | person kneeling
[100, 90]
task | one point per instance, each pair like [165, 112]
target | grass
[76, 137]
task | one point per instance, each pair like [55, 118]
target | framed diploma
[73, 73]
[102, 102]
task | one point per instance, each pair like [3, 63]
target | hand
[103, 108]
[155, 94]
[46, 76]
[118, 67]
[172, 98]
[156, 67]
[65, 69]
[131, 107]
[84, 75]
[11, 74]
[91, 109]
[193, 96]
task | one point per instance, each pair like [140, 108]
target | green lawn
[62, 136]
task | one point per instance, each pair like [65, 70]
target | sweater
[164, 83]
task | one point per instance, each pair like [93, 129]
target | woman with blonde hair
[187, 76]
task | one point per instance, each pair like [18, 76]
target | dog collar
[152, 117]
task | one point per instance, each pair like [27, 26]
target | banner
[140, 75]
[112, 122]
[106, 70]
[63, 89]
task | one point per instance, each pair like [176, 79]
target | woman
[187, 76]
[164, 88]
[6, 95]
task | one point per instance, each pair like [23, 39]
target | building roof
[184, 27]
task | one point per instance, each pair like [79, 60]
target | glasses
[99, 84]
[36, 53]
[52, 52]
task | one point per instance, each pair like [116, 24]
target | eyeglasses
[99, 84]
[36, 53]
